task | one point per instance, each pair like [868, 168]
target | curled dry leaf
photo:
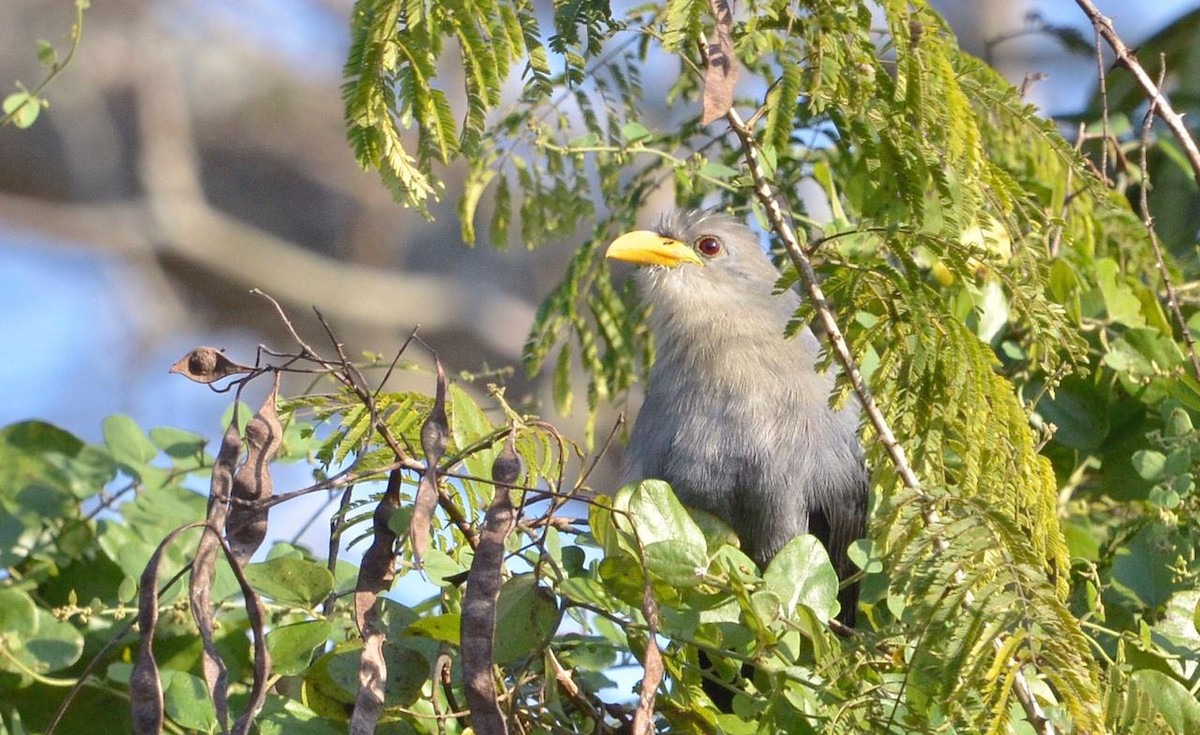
[207, 365]
[478, 626]
[246, 526]
[721, 71]
[204, 569]
[433, 442]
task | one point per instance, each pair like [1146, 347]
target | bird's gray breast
[743, 433]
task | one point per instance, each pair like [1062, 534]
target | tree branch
[1159, 104]
[1148, 222]
[841, 350]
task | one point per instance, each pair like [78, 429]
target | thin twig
[845, 358]
[1159, 104]
[808, 278]
[1103, 111]
[1148, 221]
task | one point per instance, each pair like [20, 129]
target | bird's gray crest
[687, 225]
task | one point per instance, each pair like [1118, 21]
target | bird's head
[700, 262]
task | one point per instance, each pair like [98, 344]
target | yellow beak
[644, 247]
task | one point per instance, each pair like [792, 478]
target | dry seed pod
[433, 441]
[478, 626]
[207, 365]
[246, 526]
[204, 568]
[721, 69]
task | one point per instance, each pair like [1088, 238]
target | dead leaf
[207, 365]
[721, 71]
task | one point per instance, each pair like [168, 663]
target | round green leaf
[18, 614]
[335, 675]
[1179, 709]
[526, 616]
[291, 580]
[52, 644]
[1149, 463]
[673, 545]
[291, 646]
[45, 53]
[186, 701]
[444, 627]
[802, 575]
[126, 441]
[1138, 566]
[183, 447]
[283, 716]
[25, 452]
[1080, 412]
[23, 107]
[677, 563]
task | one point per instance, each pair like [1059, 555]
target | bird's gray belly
[729, 464]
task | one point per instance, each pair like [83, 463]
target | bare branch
[1159, 104]
[845, 359]
[1148, 221]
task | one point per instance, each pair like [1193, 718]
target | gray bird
[736, 418]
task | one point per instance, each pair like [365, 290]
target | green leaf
[186, 700]
[469, 424]
[677, 563]
[1143, 353]
[658, 514]
[18, 615]
[1149, 463]
[440, 568]
[585, 141]
[526, 617]
[563, 390]
[1120, 303]
[863, 553]
[290, 580]
[683, 23]
[1138, 566]
[1079, 411]
[674, 546]
[800, 574]
[23, 107]
[52, 644]
[46, 54]
[719, 171]
[128, 589]
[285, 716]
[291, 646]
[27, 450]
[633, 132]
[126, 441]
[445, 627]
[177, 442]
[1178, 708]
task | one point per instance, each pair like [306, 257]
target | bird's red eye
[708, 246]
